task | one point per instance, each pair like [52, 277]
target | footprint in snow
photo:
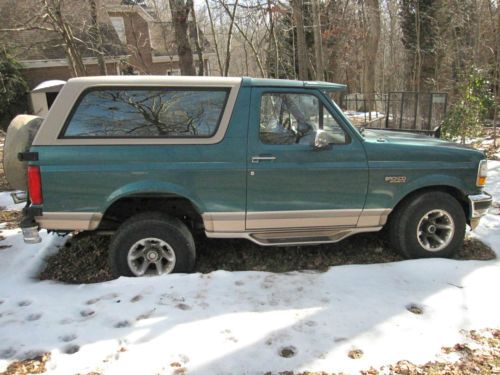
[183, 306]
[104, 297]
[287, 351]
[87, 313]
[268, 282]
[1, 301]
[145, 315]
[415, 309]
[122, 324]
[68, 338]
[24, 303]
[7, 353]
[340, 339]
[33, 317]
[71, 349]
[136, 298]
[92, 301]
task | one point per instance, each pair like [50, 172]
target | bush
[13, 88]
[467, 115]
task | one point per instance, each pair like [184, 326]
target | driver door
[289, 183]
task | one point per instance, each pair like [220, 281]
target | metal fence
[398, 110]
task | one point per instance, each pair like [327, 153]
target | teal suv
[150, 160]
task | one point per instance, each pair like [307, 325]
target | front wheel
[151, 244]
[430, 225]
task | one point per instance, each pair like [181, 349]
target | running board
[295, 237]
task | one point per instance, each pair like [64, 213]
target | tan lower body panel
[235, 221]
[69, 220]
[301, 219]
[294, 227]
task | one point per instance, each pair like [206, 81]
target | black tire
[413, 225]
[168, 234]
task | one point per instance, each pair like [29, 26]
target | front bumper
[478, 207]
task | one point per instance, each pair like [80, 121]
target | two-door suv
[149, 160]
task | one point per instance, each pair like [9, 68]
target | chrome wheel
[151, 256]
[435, 230]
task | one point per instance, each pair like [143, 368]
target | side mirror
[321, 140]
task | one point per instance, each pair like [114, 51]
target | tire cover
[20, 135]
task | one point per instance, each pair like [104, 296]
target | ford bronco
[149, 160]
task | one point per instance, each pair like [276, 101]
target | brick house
[136, 40]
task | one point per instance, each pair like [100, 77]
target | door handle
[257, 159]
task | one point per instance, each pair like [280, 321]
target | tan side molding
[75, 221]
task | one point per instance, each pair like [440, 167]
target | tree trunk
[180, 12]
[298, 18]
[229, 37]
[216, 47]
[318, 43]
[371, 41]
[96, 36]
[199, 50]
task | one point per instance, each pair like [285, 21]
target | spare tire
[20, 135]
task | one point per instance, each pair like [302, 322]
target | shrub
[467, 115]
[13, 87]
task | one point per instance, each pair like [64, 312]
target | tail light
[35, 185]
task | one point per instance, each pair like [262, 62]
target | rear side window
[146, 113]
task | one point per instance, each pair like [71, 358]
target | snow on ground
[7, 203]
[238, 322]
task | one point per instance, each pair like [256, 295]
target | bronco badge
[395, 179]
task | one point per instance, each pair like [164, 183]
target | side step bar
[296, 237]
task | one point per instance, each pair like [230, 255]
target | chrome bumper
[478, 207]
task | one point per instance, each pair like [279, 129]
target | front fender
[384, 194]
[429, 181]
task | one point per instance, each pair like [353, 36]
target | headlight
[482, 173]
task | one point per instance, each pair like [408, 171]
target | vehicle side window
[147, 113]
[295, 118]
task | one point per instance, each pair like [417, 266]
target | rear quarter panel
[89, 178]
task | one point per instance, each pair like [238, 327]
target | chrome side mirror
[321, 140]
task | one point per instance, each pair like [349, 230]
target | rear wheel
[429, 225]
[152, 244]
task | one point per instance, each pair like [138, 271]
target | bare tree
[96, 38]
[197, 43]
[371, 18]
[229, 35]
[298, 18]
[54, 15]
[214, 37]
[180, 11]
[318, 43]
[247, 37]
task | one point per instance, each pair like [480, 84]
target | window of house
[119, 27]
[295, 118]
[147, 113]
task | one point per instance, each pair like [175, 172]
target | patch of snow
[246, 322]
[7, 202]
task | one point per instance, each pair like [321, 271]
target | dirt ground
[84, 258]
